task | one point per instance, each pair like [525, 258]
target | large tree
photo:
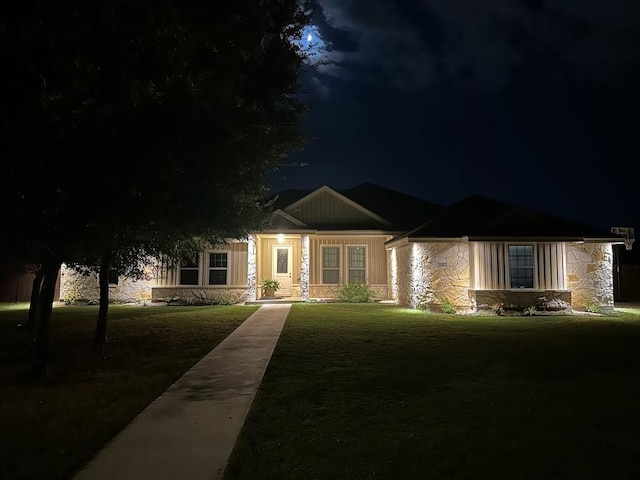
[140, 124]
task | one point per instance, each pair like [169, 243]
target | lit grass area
[380, 392]
[51, 429]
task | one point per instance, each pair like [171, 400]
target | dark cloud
[418, 43]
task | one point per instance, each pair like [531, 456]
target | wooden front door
[282, 269]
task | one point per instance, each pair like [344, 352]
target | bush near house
[355, 293]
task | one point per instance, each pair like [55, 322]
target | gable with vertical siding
[326, 208]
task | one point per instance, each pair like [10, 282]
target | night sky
[531, 102]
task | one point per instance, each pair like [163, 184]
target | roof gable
[326, 206]
[365, 206]
[281, 219]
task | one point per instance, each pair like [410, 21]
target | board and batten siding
[490, 270]
[376, 256]
[325, 208]
[237, 268]
[238, 260]
[265, 255]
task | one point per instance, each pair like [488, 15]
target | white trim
[207, 268]
[366, 262]
[199, 268]
[340, 263]
[534, 252]
[274, 265]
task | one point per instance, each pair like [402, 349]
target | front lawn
[50, 429]
[379, 392]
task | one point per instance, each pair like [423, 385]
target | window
[331, 265]
[521, 266]
[189, 270]
[356, 264]
[218, 266]
[113, 276]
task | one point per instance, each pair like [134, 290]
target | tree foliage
[135, 126]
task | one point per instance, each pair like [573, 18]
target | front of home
[476, 254]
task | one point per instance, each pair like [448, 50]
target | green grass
[377, 392]
[50, 429]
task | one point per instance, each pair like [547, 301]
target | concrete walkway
[189, 431]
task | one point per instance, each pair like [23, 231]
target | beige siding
[238, 259]
[326, 208]
[265, 246]
[376, 256]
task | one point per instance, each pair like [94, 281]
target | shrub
[447, 306]
[226, 299]
[594, 308]
[355, 293]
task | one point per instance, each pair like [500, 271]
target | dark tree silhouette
[134, 126]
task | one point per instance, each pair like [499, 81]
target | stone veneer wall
[199, 294]
[520, 299]
[590, 275]
[75, 286]
[427, 274]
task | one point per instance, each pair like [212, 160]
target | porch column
[304, 268]
[252, 268]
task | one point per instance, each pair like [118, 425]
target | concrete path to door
[189, 431]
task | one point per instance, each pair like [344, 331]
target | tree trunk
[33, 305]
[100, 337]
[40, 352]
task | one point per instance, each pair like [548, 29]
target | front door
[282, 268]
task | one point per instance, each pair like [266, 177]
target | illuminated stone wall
[520, 299]
[428, 274]
[252, 268]
[200, 294]
[76, 287]
[590, 275]
[304, 268]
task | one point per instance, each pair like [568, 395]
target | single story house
[477, 253]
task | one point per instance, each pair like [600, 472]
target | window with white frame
[356, 264]
[521, 266]
[330, 265]
[190, 269]
[218, 268]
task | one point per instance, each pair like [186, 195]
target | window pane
[521, 266]
[217, 277]
[283, 261]
[331, 276]
[356, 257]
[188, 277]
[356, 276]
[189, 261]
[330, 257]
[218, 260]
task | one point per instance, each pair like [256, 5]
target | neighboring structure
[478, 253]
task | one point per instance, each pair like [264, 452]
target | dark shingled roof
[480, 217]
[401, 210]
